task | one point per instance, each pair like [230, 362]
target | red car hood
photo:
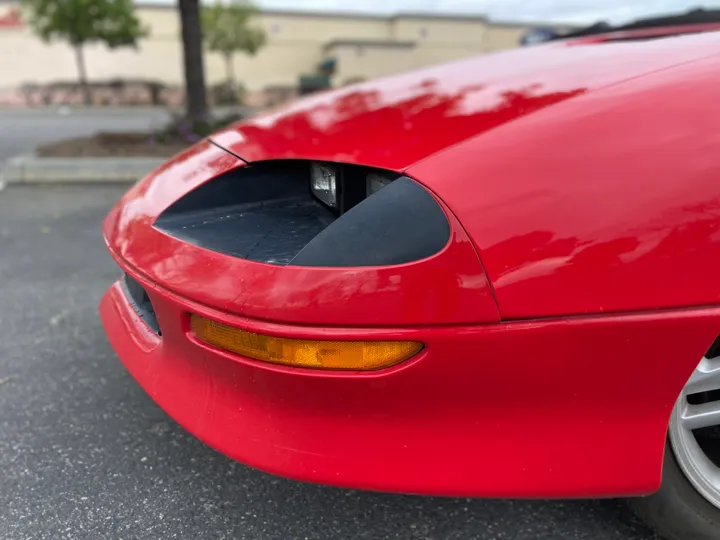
[397, 121]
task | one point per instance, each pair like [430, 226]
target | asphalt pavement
[85, 454]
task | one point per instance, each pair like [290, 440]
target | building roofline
[336, 14]
[383, 43]
[473, 17]
[536, 24]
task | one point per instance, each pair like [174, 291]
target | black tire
[677, 511]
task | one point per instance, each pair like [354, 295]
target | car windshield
[693, 17]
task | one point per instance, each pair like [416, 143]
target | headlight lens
[375, 182]
[323, 183]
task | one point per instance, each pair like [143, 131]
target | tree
[80, 22]
[227, 30]
[196, 102]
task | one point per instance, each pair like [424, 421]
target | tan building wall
[359, 61]
[439, 31]
[499, 37]
[364, 46]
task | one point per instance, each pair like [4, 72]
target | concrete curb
[31, 169]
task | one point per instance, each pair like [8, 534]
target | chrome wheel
[698, 411]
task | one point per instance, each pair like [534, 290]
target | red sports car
[493, 278]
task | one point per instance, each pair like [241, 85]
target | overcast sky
[535, 10]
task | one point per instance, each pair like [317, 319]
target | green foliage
[227, 28]
[78, 22]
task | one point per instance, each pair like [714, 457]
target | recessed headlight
[323, 183]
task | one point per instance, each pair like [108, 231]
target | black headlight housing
[304, 213]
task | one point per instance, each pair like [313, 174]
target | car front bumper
[557, 408]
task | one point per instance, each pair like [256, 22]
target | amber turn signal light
[305, 353]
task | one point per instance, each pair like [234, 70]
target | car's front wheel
[687, 506]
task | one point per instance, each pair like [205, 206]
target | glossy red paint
[548, 409]
[459, 291]
[609, 202]
[396, 121]
[586, 178]
[581, 204]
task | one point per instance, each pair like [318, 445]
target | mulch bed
[114, 145]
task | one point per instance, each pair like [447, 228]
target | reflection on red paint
[608, 203]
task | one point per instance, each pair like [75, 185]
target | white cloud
[584, 11]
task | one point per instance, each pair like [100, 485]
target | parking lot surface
[85, 454]
[27, 128]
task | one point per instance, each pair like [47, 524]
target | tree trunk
[230, 70]
[195, 99]
[82, 73]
